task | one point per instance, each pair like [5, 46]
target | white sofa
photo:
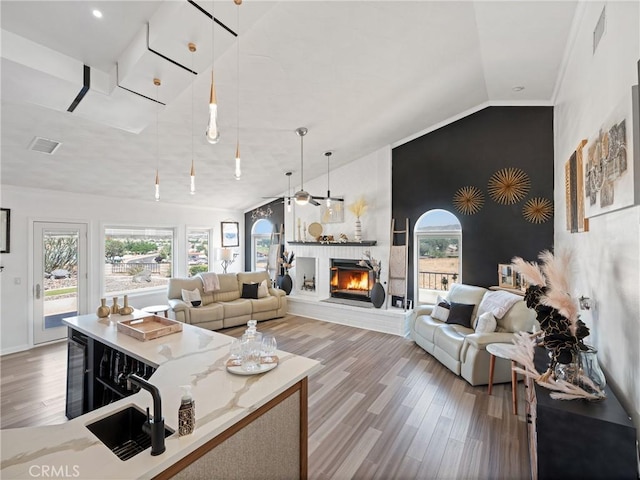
[461, 349]
[225, 308]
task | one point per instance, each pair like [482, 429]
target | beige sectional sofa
[224, 307]
[462, 350]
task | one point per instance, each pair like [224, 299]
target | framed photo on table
[506, 277]
[5, 230]
[230, 234]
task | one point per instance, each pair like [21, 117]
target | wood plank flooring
[380, 408]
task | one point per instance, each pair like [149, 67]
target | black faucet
[152, 427]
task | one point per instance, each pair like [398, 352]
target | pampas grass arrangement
[358, 207]
[557, 312]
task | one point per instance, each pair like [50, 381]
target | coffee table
[506, 351]
[156, 309]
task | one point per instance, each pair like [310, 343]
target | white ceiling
[359, 75]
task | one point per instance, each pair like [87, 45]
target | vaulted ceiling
[359, 75]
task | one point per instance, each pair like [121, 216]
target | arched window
[260, 242]
[438, 254]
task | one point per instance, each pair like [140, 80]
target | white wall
[368, 177]
[607, 258]
[29, 205]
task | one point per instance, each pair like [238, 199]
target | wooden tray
[148, 328]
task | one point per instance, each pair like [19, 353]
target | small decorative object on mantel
[284, 279]
[103, 310]
[573, 371]
[377, 292]
[358, 208]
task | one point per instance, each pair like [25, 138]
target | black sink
[122, 432]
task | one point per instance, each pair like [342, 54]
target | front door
[59, 277]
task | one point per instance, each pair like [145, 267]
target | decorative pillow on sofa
[441, 310]
[263, 289]
[460, 314]
[486, 323]
[191, 296]
[498, 303]
[250, 290]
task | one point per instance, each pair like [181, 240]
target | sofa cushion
[264, 304]
[206, 313]
[519, 318]
[498, 303]
[426, 326]
[486, 323]
[236, 308]
[450, 340]
[441, 309]
[176, 285]
[249, 290]
[190, 296]
[263, 289]
[461, 314]
[469, 294]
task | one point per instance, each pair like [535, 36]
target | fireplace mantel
[363, 243]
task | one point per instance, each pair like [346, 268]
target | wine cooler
[97, 374]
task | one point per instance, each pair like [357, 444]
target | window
[137, 259]
[197, 251]
[438, 237]
[260, 243]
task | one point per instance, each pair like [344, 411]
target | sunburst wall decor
[468, 200]
[508, 185]
[537, 210]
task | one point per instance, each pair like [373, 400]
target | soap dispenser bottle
[186, 412]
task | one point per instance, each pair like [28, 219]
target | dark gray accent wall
[277, 218]
[427, 172]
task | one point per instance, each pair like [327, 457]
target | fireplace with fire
[350, 280]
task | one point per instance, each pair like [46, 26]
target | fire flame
[351, 281]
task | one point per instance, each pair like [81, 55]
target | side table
[506, 351]
[156, 309]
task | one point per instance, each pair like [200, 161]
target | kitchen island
[246, 426]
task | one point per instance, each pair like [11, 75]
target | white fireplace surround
[313, 259]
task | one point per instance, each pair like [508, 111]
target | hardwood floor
[381, 407]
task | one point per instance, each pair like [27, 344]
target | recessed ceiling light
[97, 13]
[518, 88]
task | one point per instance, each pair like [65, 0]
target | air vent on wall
[598, 32]
[44, 145]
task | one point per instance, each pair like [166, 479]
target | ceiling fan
[302, 197]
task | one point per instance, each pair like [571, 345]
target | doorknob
[37, 291]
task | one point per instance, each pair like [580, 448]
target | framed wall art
[230, 234]
[5, 230]
[609, 170]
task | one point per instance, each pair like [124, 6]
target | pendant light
[301, 197]
[156, 82]
[212, 133]
[288, 174]
[238, 171]
[328, 155]
[192, 174]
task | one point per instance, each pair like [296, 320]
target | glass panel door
[60, 276]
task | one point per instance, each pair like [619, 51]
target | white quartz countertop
[194, 356]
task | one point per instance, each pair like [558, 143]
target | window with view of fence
[438, 240]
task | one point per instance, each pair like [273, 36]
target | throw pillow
[498, 303]
[441, 310]
[486, 323]
[250, 290]
[460, 314]
[263, 289]
[190, 296]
